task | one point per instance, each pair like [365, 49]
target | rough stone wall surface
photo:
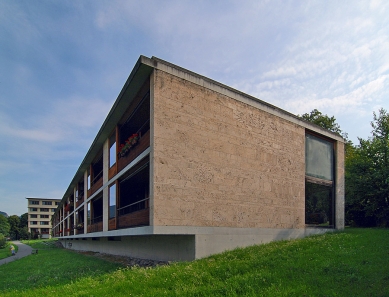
[220, 162]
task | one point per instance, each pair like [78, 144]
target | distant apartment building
[40, 211]
[184, 167]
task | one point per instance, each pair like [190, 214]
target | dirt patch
[124, 260]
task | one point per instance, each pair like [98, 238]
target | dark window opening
[138, 122]
[97, 210]
[97, 169]
[134, 190]
[319, 205]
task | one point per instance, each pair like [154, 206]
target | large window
[319, 182]
[34, 202]
[47, 203]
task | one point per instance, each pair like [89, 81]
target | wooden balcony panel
[80, 231]
[143, 144]
[79, 202]
[97, 185]
[112, 224]
[112, 171]
[137, 218]
[97, 227]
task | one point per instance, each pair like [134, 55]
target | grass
[6, 252]
[350, 263]
[51, 266]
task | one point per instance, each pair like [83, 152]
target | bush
[3, 241]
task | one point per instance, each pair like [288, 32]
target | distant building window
[34, 202]
[44, 216]
[44, 223]
[44, 209]
[33, 209]
[33, 216]
[34, 223]
[47, 203]
[53, 210]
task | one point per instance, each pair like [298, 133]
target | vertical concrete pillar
[74, 212]
[152, 124]
[84, 203]
[105, 180]
[339, 186]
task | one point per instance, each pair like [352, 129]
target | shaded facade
[184, 167]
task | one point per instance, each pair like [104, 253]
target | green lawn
[350, 263]
[6, 252]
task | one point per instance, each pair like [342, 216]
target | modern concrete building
[184, 167]
[40, 212]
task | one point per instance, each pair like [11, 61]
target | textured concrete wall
[220, 162]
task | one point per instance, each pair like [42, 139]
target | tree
[14, 222]
[23, 220]
[4, 225]
[24, 233]
[323, 121]
[367, 176]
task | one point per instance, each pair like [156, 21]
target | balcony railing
[135, 214]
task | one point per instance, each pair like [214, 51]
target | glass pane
[318, 157]
[318, 205]
[88, 213]
[112, 155]
[112, 201]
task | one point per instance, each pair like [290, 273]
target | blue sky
[63, 64]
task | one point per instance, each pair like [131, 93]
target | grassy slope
[351, 263]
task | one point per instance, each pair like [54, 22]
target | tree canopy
[323, 121]
[367, 176]
[4, 225]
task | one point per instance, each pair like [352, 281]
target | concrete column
[151, 172]
[74, 212]
[105, 180]
[339, 186]
[84, 203]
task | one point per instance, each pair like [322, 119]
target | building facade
[184, 167]
[40, 212]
